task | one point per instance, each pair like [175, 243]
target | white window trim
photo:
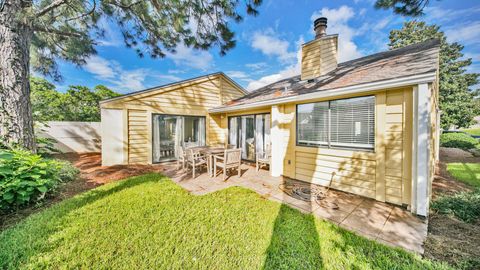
[329, 143]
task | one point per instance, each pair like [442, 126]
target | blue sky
[268, 45]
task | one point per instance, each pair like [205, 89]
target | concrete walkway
[378, 221]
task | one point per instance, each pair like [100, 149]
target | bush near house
[464, 206]
[458, 140]
[26, 178]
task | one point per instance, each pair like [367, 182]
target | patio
[378, 221]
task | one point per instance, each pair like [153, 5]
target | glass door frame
[254, 130]
[176, 115]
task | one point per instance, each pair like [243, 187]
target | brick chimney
[319, 56]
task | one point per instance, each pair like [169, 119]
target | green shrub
[458, 140]
[26, 178]
[46, 146]
[464, 206]
[67, 171]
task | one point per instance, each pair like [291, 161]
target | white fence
[79, 137]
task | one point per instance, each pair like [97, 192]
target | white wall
[79, 137]
[113, 129]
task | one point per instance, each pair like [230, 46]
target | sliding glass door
[251, 133]
[170, 132]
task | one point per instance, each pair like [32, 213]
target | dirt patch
[92, 171]
[449, 239]
[448, 155]
[445, 184]
[92, 174]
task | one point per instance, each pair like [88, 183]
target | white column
[420, 160]
[276, 168]
[112, 137]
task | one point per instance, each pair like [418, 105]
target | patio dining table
[210, 152]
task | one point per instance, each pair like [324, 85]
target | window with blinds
[337, 123]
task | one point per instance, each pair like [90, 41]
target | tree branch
[126, 6]
[55, 31]
[84, 14]
[50, 7]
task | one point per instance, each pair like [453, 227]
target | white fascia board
[354, 89]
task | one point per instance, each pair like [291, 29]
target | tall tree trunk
[16, 124]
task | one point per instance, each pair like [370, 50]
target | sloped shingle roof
[411, 60]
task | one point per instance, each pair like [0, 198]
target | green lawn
[473, 131]
[148, 222]
[468, 173]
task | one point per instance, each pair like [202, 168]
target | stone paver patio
[378, 221]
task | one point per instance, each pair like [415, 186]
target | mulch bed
[449, 239]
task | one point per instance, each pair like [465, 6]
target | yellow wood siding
[394, 171]
[192, 98]
[137, 137]
[383, 174]
[218, 131]
[379, 174]
[319, 57]
[348, 171]
[230, 91]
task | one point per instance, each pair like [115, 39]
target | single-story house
[370, 124]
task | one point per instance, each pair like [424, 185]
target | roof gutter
[354, 89]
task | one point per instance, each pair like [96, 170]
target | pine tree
[34, 35]
[412, 8]
[457, 99]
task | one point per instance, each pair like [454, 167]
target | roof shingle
[419, 58]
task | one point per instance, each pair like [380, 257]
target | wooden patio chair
[189, 144]
[182, 157]
[195, 159]
[263, 158]
[232, 159]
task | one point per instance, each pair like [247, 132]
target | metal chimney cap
[322, 21]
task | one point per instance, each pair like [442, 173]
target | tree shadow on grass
[16, 247]
[294, 243]
[370, 254]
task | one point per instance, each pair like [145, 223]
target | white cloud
[123, 80]
[111, 37]
[131, 79]
[100, 67]
[166, 77]
[338, 24]
[466, 34]
[362, 12]
[442, 15]
[269, 44]
[256, 66]
[176, 71]
[240, 75]
[289, 71]
[185, 56]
